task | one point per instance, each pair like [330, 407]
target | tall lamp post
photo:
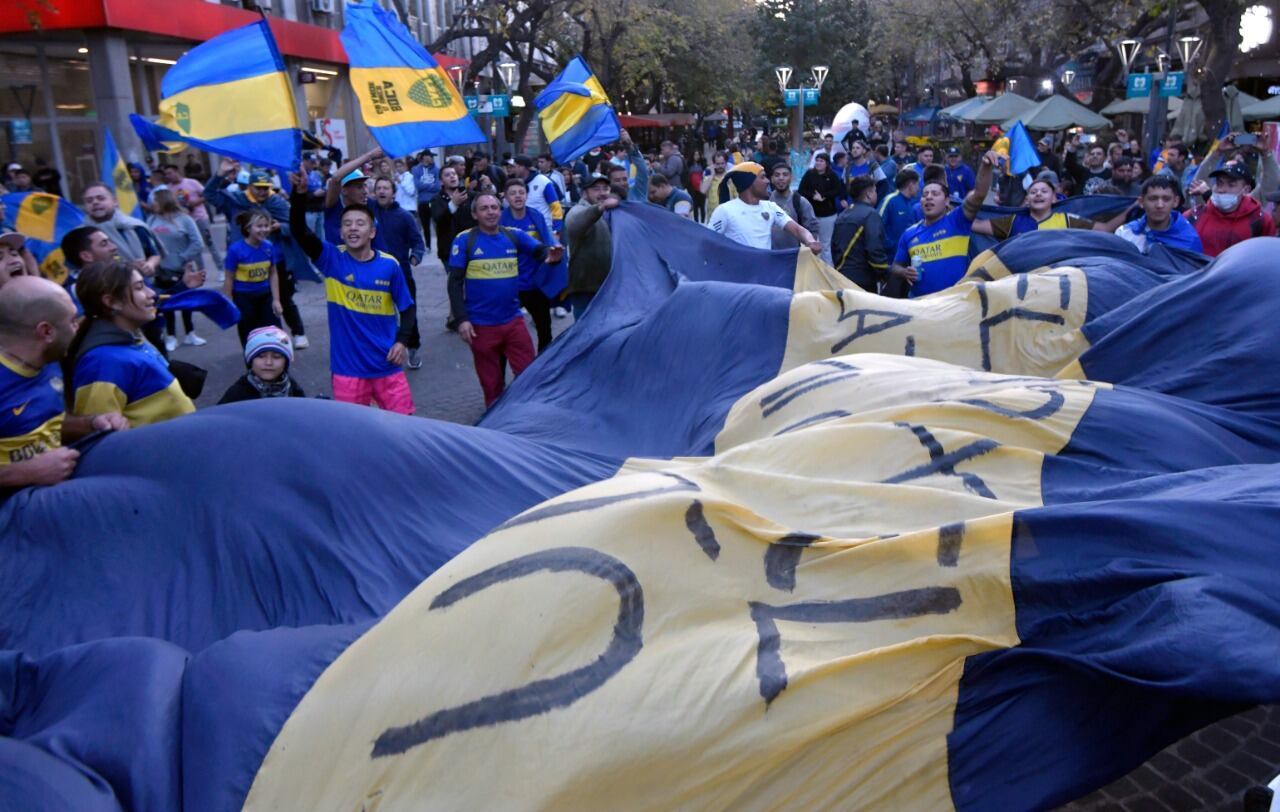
[817, 76]
[1158, 109]
[507, 70]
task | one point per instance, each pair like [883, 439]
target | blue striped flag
[231, 96]
[115, 173]
[44, 219]
[575, 113]
[406, 99]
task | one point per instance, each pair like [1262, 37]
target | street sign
[20, 131]
[791, 97]
[472, 102]
[810, 96]
[501, 105]
[1138, 86]
[1173, 83]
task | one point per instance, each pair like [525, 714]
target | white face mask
[1225, 202]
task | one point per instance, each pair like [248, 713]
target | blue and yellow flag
[44, 219]
[575, 113]
[406, 99]
[115, 173]
[1022, 153]
[231, 96]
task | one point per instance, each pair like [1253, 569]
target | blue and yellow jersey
[943, 248]
[1014, 224]
[365, 300]
[251, 266]
[544, 198]
[132, 379]
[535, 225]
[31, 411]
[493, 272]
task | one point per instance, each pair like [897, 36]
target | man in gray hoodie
[134, 241]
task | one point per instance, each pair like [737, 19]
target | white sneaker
[222, 277]
[560, 312]
[300, 342]
[170, 343]
[193, 340]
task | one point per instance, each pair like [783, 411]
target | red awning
[636, 121]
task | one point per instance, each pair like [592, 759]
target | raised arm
[333, 191]
[311, 245]
[973, 200]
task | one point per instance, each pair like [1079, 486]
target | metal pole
[51, 113]
[1158, 109]
[800, 114]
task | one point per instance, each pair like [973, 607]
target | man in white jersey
[751, 217]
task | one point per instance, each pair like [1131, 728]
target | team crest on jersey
[764, 215]
[455, 250]
[56, 384]
[351, 277]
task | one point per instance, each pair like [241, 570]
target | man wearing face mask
[1232, 214]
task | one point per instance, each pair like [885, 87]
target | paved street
[444, 388]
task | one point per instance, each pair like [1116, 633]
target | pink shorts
[390, 393]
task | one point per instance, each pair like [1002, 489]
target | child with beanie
[267, 354]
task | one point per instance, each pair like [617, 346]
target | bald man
[37, 323]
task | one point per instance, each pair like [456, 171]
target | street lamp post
[818, 77]
[507, 70]
[1158, 109]
[1068, 76]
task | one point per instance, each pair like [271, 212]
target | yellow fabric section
[38, 217]
[256, 104]
[565, 111]
[405, 96]
[684, 723]
[99, 397]
[37, 441]
[126, 194]
[812, 274]
[158, 407]
[492, 268]
[373, 302]
[253, 271]
[1072, 372]
[987, 266]
[1022, 328]
[940, 249]
[54, 266]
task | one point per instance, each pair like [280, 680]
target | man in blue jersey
[518, 215]
[37, 323]
[934, 253]
[371, 313]
[896, 209]
[484, 292]
[960, 178]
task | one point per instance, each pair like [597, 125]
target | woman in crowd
[822, 188]
[183, 248]
[109, 366]
[268, 355]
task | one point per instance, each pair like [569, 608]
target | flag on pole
[116, 175]
[1022, 152]
[406, 99]
[231, 96]
[575, 113]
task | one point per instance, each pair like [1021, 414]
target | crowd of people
[520, 237]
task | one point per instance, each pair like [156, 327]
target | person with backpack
[484, 293]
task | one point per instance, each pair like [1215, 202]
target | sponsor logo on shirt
[17, 410]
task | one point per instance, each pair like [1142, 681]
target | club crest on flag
[431, 91]
[182, 114]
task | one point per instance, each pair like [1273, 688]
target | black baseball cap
[595, 178]
[1233, 172]
[953, 150]
[523, 160]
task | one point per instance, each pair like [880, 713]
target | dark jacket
[828, 185]
[400, 234]
[243, 390]
[449, 224]
[857, 246]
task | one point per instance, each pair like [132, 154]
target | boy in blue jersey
[934, 253]
[251, 280]
[484, 291]
[895, 210]
[371, 313]
[522, 218]
[37, 324]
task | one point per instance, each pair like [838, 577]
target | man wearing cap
[1232, 214]
[258, 195]
[426, 180]
[481, 166]
[346, 187]
[960, 178]
[590, 242]
[750, 219]
[37, 323]
[19, 179]
[1044, 152]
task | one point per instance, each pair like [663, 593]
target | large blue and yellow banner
[406, 99]
[44, 219]
[575, 113]
[230, 95]
[743, 537]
